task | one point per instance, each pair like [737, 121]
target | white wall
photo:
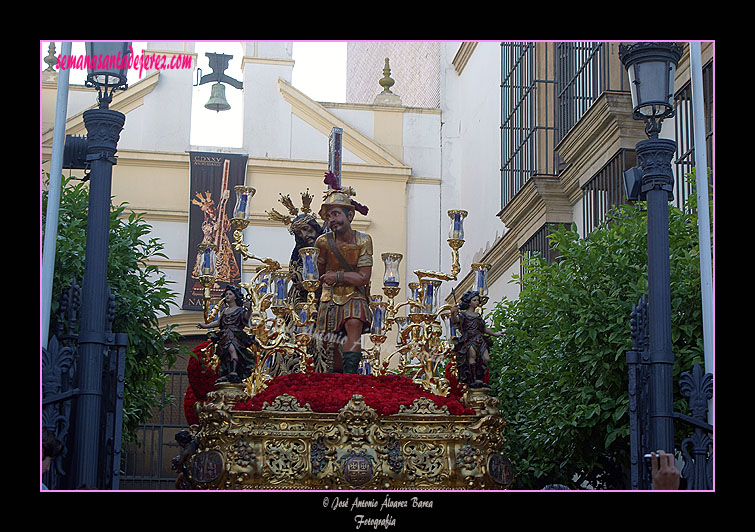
[471, 149]
[267, 116]
[163, 123]
[421, 137]
[503, 287]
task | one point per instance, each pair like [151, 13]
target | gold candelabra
[422, 347]
[289, 331]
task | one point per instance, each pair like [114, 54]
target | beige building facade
[285, 135]
[541, 133]
[492, 139]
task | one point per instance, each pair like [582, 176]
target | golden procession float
[283, 396]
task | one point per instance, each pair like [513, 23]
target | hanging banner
[213, 176]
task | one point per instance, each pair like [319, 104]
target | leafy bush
[560, 371]
[141, 295]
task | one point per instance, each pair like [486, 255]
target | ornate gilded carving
[423, 405]
[479, 400]
[284, 460]
[426, 463]
[286, 445]
[286, 403]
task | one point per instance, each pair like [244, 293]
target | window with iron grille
[570, 76]
[518, 117]
[583, 72]
[527, 121]
[684, 162]
[147, 465]
[538, 244]
[605, 190]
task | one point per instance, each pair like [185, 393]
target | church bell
[217, 101]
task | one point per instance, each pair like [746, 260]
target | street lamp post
[652, 69]
[103, 127]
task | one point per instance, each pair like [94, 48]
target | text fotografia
[131, 61]
[374, 522]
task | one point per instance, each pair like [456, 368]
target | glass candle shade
[279, 288]
[457, 224]
[414, 296]
[303, 316]
[243, 208]
[391, 262]
[207, 258]
[309, 264]
[401, 323]
[480, 278]
[430, 298]
[449, 329]
[379, 310]
[262, 281]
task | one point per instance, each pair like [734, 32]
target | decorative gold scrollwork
[288, 446]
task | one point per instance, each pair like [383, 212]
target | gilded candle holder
[207, 256]
[480, 283]
[304, 326]
[279, 290]
[310, 276]
[378, 329]
[261, 280]
[456, 238]
[242, 211]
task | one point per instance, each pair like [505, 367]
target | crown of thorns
[296, 217]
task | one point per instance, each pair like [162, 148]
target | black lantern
[652, 69]
[108, 68]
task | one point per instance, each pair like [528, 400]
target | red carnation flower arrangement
[201, 382]
[189, 401]
[329, 392]
[323, 392]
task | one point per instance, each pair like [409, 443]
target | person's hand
[329, 278]
[663, 471]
